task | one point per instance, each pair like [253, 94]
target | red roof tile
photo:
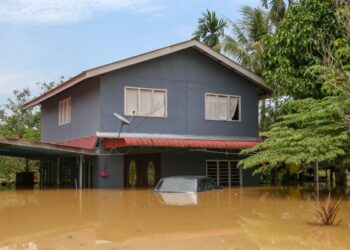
[177, 143]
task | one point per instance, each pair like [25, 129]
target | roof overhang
[38, 150]
[125, 140]
[225, 61]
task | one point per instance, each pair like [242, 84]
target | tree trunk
[340, 175]
[262, 115]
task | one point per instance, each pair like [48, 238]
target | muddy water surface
[250, 218]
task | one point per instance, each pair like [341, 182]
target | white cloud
[66, 11]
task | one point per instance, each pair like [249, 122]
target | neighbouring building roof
[225, 61]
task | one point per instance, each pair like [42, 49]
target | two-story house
[189, 111]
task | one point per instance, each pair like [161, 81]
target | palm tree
[244, 44]
[277, 8]
[210, 29]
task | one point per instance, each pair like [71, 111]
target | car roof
[191, 177]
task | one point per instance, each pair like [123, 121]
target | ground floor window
[225, 172]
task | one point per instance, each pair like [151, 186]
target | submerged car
[186, 184]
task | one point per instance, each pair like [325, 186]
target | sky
[42, 40]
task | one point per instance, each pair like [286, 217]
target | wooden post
[58, 173]
[81, 171]
[317, 181]
[27, 165]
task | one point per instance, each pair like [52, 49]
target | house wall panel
[187, 75]
[85, 117]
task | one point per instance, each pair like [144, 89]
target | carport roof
[38, 150]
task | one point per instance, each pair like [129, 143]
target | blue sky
[42, 40]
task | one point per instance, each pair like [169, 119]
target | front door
[142, 170]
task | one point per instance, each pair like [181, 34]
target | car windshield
[177, 185]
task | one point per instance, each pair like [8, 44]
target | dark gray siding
[85, 119]
[114, 164]
[187, 75]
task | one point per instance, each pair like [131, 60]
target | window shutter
[210, 107]
[145, 102]
[64, 112]
[234, 102]
[131, 101]
[60, 113]
[222, 107]
[69, 110]
[158, 103]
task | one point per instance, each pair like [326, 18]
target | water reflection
[249, 218]
[178, 199]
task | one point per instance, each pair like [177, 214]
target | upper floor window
[64, 111]
[222, 107]
[145, 102]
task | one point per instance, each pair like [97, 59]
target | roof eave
[149, 56]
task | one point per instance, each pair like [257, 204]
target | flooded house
[180, 110]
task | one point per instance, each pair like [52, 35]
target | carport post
[81, 171]
[58, 173]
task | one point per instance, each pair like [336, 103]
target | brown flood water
[249, 218]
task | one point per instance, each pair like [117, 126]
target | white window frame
[64, 111]
[137, 112]
[228, 107]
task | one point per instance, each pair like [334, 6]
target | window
[224, 172]
[145, 102]
[64, 111]
[222, 107]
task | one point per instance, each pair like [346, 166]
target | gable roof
[225, 61]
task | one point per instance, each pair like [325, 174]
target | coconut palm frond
[240, 54]
[210, 29]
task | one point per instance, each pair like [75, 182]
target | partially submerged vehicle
[186, 184]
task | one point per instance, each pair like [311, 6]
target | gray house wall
[85, 118]
[114, 164]
[187, 75]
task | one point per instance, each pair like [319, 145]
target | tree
[309, 131]
[16, 122]
[277, 8]
[210, 29]
[312, 131]
[296, 45]
[244, 43]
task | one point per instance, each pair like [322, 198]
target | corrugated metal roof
[38, 150]
[87, 142]
[109, 143]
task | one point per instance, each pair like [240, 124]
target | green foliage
[244, 43]
[277, 8]
[296, 45]
[16, 122]
[308, 130]
[210, 29]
